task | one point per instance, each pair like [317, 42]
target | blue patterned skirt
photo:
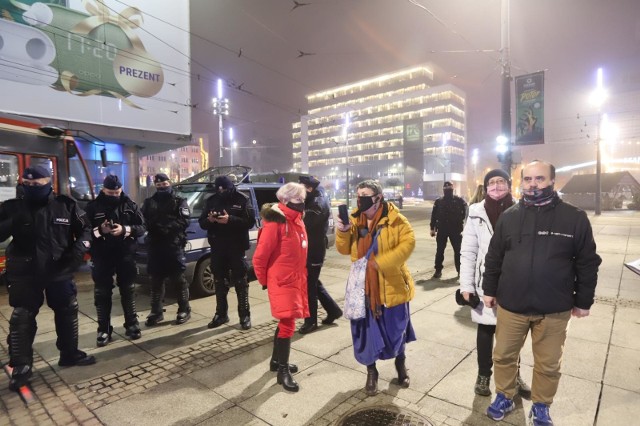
[382, 338]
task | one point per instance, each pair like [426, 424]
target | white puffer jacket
[475, 243]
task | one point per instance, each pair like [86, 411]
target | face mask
[497, 192]
[111, 200]
[537, 196]
[37, 192]
[365, 203]
[164, 191]
[448, 192]
[299, 207]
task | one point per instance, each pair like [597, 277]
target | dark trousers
[441, 240]
[484, 345]
[102, 272]
[316, 292]
[26, 296]
[229, 263]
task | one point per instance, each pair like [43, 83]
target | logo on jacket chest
[61, 220]
[557, 234]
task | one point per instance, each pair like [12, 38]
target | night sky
[255, 46]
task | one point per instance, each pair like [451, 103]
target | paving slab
[618, 407]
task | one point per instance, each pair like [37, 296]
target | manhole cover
[385, 415]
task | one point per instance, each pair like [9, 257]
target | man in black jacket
[50, 237]
[117, 223]
[317, 212]
[447, 222]
[167, 218]
[541, 268]
[227, 220]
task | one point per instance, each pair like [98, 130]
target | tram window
[9, 174]
[79, 183]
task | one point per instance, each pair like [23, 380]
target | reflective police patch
[184, 211]
[61, 220]
[86, 244]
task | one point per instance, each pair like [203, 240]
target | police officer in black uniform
[50, 237]
[167, 219]
[117, 223]
[317, 212]
[227, 220]
[447, 222]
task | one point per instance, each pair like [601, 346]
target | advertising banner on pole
[530, 109]
[97, 61]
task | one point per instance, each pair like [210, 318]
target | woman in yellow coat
[386, 328]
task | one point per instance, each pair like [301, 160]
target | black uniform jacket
[167, 219]
[448, 215]
[316, 220]
[49, 241]
[127, 214]
[542, 260]
[234, 233]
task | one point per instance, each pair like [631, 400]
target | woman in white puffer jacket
[476, 236]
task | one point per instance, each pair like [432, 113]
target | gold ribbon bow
[128, 20]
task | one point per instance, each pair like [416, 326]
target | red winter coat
[280, 261]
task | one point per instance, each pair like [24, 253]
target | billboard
[530, 109]
[413, 156]
[97, 61]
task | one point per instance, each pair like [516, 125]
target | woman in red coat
[279, 263]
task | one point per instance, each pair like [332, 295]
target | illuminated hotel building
[398, 125]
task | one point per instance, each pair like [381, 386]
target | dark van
[196, 190]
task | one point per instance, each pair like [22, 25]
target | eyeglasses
[496, 181]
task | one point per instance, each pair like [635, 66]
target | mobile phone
[343, 213]
[111, 223]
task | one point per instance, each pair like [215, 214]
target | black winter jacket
[235, 233]
[542, 260]
[49, 241]
[127, 214]
[448, 215]
[316, 220]
[167, 220]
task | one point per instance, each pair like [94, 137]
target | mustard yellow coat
[396, 242]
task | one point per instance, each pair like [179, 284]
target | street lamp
[220, 108]
[474, 161]
[232, 144]
[598, 97]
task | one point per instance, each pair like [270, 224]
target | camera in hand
[474, 300]
[343, 213]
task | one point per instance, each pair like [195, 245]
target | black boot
[403, 377]
[128, 300]
[22, 330]
[371, 387]
[102, 301]
[284, 374]
[309, 326]
[184, 310]
[66, 320]
[242, 291]
[157, 294]
[482, 385]
[222, 307]
[273, 365]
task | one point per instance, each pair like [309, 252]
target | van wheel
[203, 284]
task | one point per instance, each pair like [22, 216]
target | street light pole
[347, 122]
[220, 108]
[597, 98]
[231, 145]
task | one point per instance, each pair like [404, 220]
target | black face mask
[299, 207]
[365, 203]
[165, 191]
[448, 192]
[111, 200]
[36, 193]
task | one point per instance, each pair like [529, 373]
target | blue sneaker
[539, 415]
[501, 406]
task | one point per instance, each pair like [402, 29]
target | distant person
[386, 328]
[50, 235]
[541, 268]
[117, 223]
[399, 200]
[475, 242]
[479, 195]
[167, 218]
[317, 212]
[447, 221]
[227, 220]
[279, 263]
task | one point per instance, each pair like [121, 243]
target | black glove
[474, 300]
